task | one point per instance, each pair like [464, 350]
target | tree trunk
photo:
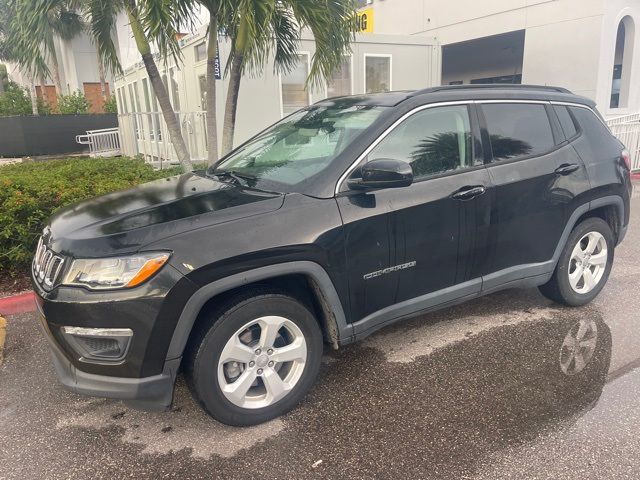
[55, 70]
[103, 83]
[231, 106]
[212, 123]
[173, 126]
[34, 97]
[43, 89]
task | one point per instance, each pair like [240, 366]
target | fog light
[100, 344]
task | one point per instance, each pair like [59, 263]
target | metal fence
[146, 134]
[102, 143]
[627, 129]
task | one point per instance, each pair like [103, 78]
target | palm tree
[257, 28]
[64, 23]
[151, 21]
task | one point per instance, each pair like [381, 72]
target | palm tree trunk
[43, 89]
[231, 106]
[56, 73]
[212, 123]
[173, 126]
[34, 97]
[103, 83]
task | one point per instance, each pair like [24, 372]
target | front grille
[47, 266]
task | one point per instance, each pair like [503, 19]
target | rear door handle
[467, 193]
[567, 168]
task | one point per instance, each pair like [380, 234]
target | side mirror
[384, 173]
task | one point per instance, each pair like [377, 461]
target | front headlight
[115, 272]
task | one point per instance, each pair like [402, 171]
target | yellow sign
[365, 21]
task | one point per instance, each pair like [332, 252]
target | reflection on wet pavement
[507, 386]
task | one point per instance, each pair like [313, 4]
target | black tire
[205, 350]
[558, 287]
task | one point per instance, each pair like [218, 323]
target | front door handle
[567, 168]
[467, 193]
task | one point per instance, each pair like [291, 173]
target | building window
[175, 94]
[202, 82]
[201, 51]
[123, 100]
[621, 81]
[377, 73]
[294, 92]
[339, 84]
[145, 89]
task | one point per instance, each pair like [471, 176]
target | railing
[146, 134]
[102, 143]
[627, 130]
[634, 117]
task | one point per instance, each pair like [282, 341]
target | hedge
[31, 192]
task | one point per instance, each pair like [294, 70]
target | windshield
[297, 148]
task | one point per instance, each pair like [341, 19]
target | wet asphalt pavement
[473, 391]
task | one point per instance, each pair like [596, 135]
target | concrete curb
[21, 303]
[3, 334]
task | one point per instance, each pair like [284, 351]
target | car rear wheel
[256, 360]
[584, 265]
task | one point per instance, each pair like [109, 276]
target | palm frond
[101, 18]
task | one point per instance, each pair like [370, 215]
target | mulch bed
[11, 284]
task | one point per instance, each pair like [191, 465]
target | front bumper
[144, 377]
[148, 393]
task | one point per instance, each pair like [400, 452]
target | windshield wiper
[241, 178]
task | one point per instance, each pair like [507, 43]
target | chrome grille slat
[47, 266]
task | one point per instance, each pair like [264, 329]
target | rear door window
[518, 130]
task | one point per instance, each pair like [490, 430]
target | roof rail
[488, 86]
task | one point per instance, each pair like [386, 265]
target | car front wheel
[257, 359]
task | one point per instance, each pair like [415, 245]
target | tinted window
[566, 121]
[596, 143]
[518, 129]
[433, 141]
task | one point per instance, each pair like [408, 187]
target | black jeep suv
[342, 218]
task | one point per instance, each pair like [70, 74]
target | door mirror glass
[384, 173]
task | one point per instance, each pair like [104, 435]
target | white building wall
[614, 12]
[569, 43]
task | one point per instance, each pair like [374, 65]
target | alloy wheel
[262, 362]
[588, 262]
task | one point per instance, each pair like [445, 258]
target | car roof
[448, 93]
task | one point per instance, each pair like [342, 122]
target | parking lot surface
[473, 391]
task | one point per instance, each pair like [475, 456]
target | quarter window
[518, 130]
[566, 121]
[433, 141]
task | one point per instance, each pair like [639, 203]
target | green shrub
[43, 107]
[15, 101]
[31, 192]
[74, 104]
[110, 105]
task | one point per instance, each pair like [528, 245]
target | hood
[125, 221]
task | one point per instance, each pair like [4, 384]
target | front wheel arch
[322, 291]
